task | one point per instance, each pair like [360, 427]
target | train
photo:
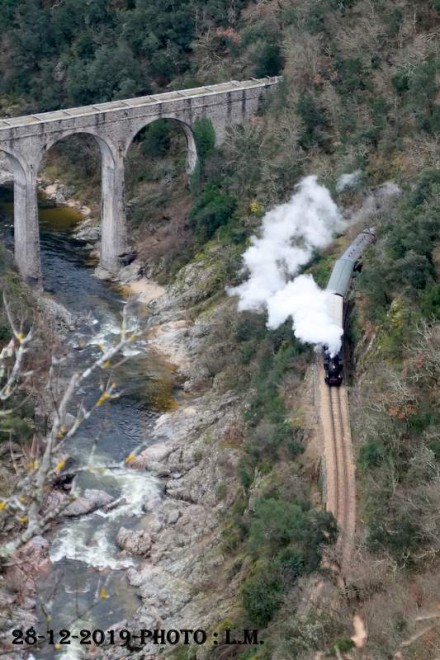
[338, 286]
[333, 368]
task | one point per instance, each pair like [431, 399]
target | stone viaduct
[113, 125]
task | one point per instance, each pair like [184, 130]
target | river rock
[54, 498]
[57, 313]
[152, 455]
[135, 542]
[89, 232]
[91, 500]
[160, 590]
[172, 516]
[130, 273]
[102, 274]
[28, 562]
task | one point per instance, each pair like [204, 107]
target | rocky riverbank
[185, 578]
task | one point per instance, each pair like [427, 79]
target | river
[86, 588]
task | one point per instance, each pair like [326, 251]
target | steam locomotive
[333, 368]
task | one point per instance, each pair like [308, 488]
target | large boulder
[89, 501]
[152, 455]
[136, 543]
[30, 561]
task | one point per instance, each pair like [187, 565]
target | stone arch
[107, 149]
[113, 229]
[16, 162]
[191, 161]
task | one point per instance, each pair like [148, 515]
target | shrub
[204, 135]
[423, 88]
[262, 595]
[353, 75]
[246, 472]
[371, 455]
[212, 209]
[268, 59]
[414, 269]
[341, 645]
[396, 531]
[315, 121]
[290, 563]
[276, 523]
[400, 82]
[322, 529]
[156, 140]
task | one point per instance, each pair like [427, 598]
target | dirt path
[340, 494]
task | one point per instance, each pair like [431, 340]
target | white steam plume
[290, 234]
[311, 311]
[348, 181]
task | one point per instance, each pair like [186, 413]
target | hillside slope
[360, 92]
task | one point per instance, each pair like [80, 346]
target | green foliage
[315, 121]
[434, 446]
[353, 75]
[288, 539]
[371, 454]
[400, 82]
[232, 537]
[406, 267]
[341, 645]
[394, 21]
[184, 653]
[14, 428]
[262, 594]
[156, 139]
[430, 302]
[399, 533]
[290, 563]
[212, 209]
[73, 52]
[204, 135]
[415, 270]
[195, 179]
[422, 92]
[316, 18]
[275, 524]
[268, 61]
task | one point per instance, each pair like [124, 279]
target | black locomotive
[333, 369]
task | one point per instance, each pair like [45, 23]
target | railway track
[340, 492]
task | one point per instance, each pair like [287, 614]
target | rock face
[62, 319]
[18, 587]
[90, 501]
[184, 579]
[130, 273]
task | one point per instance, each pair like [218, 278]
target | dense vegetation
[71, 53]
[360, 90]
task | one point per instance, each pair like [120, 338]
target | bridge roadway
[113, 125]
[140, 103]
